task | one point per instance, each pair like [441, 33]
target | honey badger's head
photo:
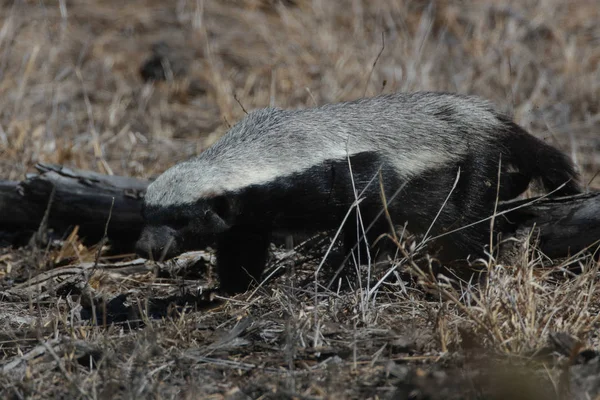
[177, 219]
[172, 230]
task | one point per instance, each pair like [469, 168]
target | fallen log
[563, 225]
[74, 197]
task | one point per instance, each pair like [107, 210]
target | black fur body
[289, 170]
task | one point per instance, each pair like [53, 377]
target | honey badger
[299, 170]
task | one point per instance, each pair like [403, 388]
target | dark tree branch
[565, 225]
[82, 198]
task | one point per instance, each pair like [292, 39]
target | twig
[240, 103]
[63, 370]
[493, 220]
[537, 199]
[100, 245]
[443, 204]
[40, 234]
[375, 63]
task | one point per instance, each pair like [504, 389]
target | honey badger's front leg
[242, 253]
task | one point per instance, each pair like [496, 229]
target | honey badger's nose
[156, 243]
[145, 245]
[143, 249]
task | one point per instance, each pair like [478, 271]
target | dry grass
[71, 93]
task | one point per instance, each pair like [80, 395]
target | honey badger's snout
[157, 243]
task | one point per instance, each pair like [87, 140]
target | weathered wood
[564, 225]
[81, 198]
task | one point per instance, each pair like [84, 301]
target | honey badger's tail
[536, 160]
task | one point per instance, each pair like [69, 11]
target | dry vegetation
[71, 93]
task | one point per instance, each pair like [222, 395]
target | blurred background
[131, 87]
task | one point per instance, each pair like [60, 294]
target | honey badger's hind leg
[474, 199]
[242, 254]
[455, 199]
